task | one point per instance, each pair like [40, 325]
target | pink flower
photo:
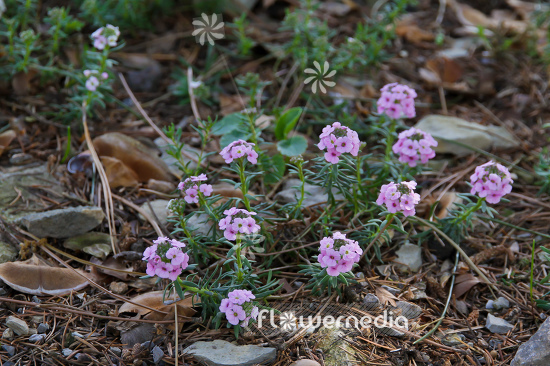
[92, 83]
[237, 150]
[166, 258]
[238, 221]
[399, 197]
[191, 196]
[192, 186]
[414, 145]
[338, 254]
[337, 140]
[396, 101]
[238, 307]
[235, 314]
[105, 35]
[491, 181]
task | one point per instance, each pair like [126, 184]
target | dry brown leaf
[154, 300]
[6, 138]
[413, 33]
[118, 173]
[470, 16]
[448, 70]
[135, 155]
[385, 296]
[21, 82]
[120, 269]
[463, 283]
[36, 277]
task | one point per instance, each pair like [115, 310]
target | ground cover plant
[176, 173]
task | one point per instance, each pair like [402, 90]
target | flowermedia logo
[321, 74]
[208, 28]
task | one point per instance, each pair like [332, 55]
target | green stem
[389, 139]
[469, 211]
[302, 188]
[244, 188]
[532, 271]
[239, 260]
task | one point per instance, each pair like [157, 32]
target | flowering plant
[238, 221]
[238, 150]
[491, 181]
[414, 145]
[166, 258]
[104, 36]
[239, 308]
[397, 101]
[399, 197]
[92, 81]
[192, 187]
[338, 139]
[338, 254]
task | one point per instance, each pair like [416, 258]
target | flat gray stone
[501, 303]
[371, 302]
[172, 162]
[314, 194]
[468, 133]
[7, 252]
[498, 325]
[222, 353]
[159, 208]
[63, 222]
[409, 310]
[200, 223]
[409, 257]
[19, 326]
[536, 351]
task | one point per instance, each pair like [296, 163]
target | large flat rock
[222, 353]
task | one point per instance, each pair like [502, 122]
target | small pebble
[305, 363]
[9, 349]
[117, 351]
[8, 334]
[148, 345]
[21, 159]
[66, 351]
[501, 303]
[36, 337]
[42, 328]
[18, 326]
[35, 299]
[119, 287]
[158, 354]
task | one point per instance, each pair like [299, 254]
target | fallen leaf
[413, 33]
[232, 103]
[385, 296]
[36, 277]
[119, 269]
[118, 174]
[6, 138]
[155, 301]
[463, 283]
[448, 70]
[134, 154]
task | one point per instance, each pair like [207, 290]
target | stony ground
[64, 293]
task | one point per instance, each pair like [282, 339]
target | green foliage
[126, 14]
[244, 43]
[286, 122]
[293, 146]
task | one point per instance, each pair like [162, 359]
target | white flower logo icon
[321, 74]
[208, 29]
[288, 321]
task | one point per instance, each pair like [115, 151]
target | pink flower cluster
[238, 307]
[414, 145]
[338, 139]
[238, 149]
[338, 254]
[192, 186]
[93, 82]
[105, 36]
[166, 258]
[491, 180]
[238, 221]
[399, 197]
[397, 101]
